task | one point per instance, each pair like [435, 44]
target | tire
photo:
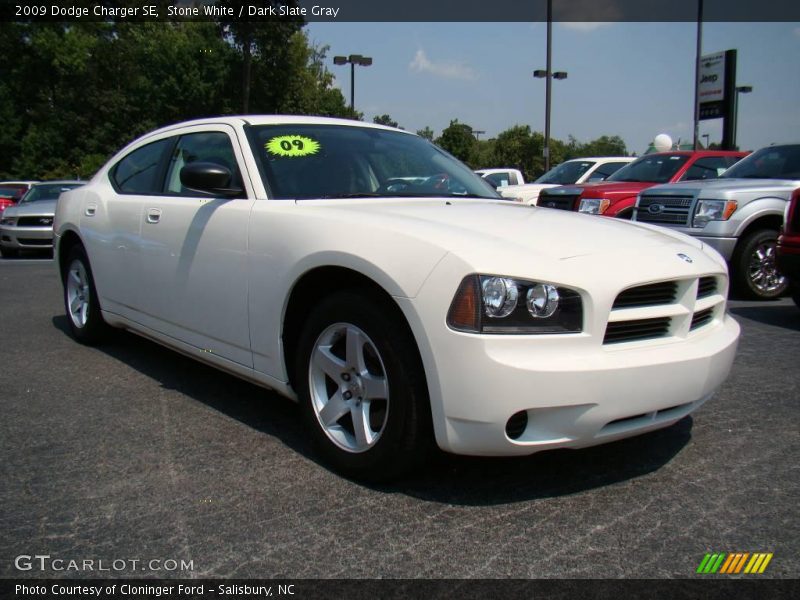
[9, 252]
[755, 275]
[362, 390]
[80, 300]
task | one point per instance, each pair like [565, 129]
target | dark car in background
[788, 250]
[12, 191]
[28, 225]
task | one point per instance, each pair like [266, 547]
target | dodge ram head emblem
[684, 257]
[655, 209]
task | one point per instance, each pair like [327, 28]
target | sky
[634, 80]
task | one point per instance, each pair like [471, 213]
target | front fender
[757, 209]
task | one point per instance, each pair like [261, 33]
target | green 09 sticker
[292, 145]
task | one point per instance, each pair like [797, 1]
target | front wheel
[361, 387]
[80, 299]
[755, 273]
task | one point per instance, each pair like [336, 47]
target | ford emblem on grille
[684, 257]
[46, 221]
[655, 209]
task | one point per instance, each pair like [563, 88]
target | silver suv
[738, 214]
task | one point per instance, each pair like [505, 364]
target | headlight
[494, 304]
[712, 210]
[8, 221]
[593, 206]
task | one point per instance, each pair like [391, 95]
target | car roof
[603, 158]
[59, 182]
[700, 153]
[239, 120]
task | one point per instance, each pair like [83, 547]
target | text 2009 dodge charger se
[380, 282]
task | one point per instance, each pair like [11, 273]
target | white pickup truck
[577, 170]
[503, 177]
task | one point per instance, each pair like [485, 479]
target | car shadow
[446, 478]
[784, 315]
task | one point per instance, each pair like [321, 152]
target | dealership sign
[712, 78]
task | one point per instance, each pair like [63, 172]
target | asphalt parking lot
[134, 452]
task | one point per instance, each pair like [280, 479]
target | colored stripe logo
[732, 563]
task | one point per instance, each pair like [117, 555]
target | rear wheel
[362, 392]
[755, 273]
[80, 299]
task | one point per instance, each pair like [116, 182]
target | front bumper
[578, 399]
[26, 238]
[575, 389]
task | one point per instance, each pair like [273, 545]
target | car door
[111, 224]
[193, 259]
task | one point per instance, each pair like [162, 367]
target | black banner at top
[403, 10]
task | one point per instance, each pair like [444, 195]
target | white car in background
[28, 225]
[577, 170]
[499, 178]
[367, 274]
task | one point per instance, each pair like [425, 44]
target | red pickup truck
[788, 251]
[616, 196]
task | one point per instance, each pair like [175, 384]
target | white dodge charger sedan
[367, 274]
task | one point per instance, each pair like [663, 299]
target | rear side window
[138, 172]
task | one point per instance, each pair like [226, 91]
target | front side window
[773, 162]
[15, 192]
[211, 147]
[304, 161]
[138, 172]
[606, 170]
[566, 173]
[709, 167]
[653, 168]
[500, 179]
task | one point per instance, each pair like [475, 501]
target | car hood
[471, 228]
[728, 185]
[40, 208]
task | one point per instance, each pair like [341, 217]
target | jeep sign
[712, 78]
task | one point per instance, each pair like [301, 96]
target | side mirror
[209, 178]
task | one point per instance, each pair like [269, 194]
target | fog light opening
[517, 424]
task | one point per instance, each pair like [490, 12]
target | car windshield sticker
[292, 145]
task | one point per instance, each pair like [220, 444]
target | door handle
[153, 215]
[91, 209]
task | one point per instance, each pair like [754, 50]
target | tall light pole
[742, 89]
[353, 59]
[549, 76]
[698, 50]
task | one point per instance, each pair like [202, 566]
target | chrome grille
[652, 294]
[35, 221]
[671, 210]
[560, 201]
[633, 331]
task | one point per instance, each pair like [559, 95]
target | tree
[385, 120]
[427, 133]
[458, 140]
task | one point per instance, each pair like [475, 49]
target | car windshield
[566, 173]
[47, 191]
[305, 161]
[12, 191]
[653, 168]
[774, 162]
